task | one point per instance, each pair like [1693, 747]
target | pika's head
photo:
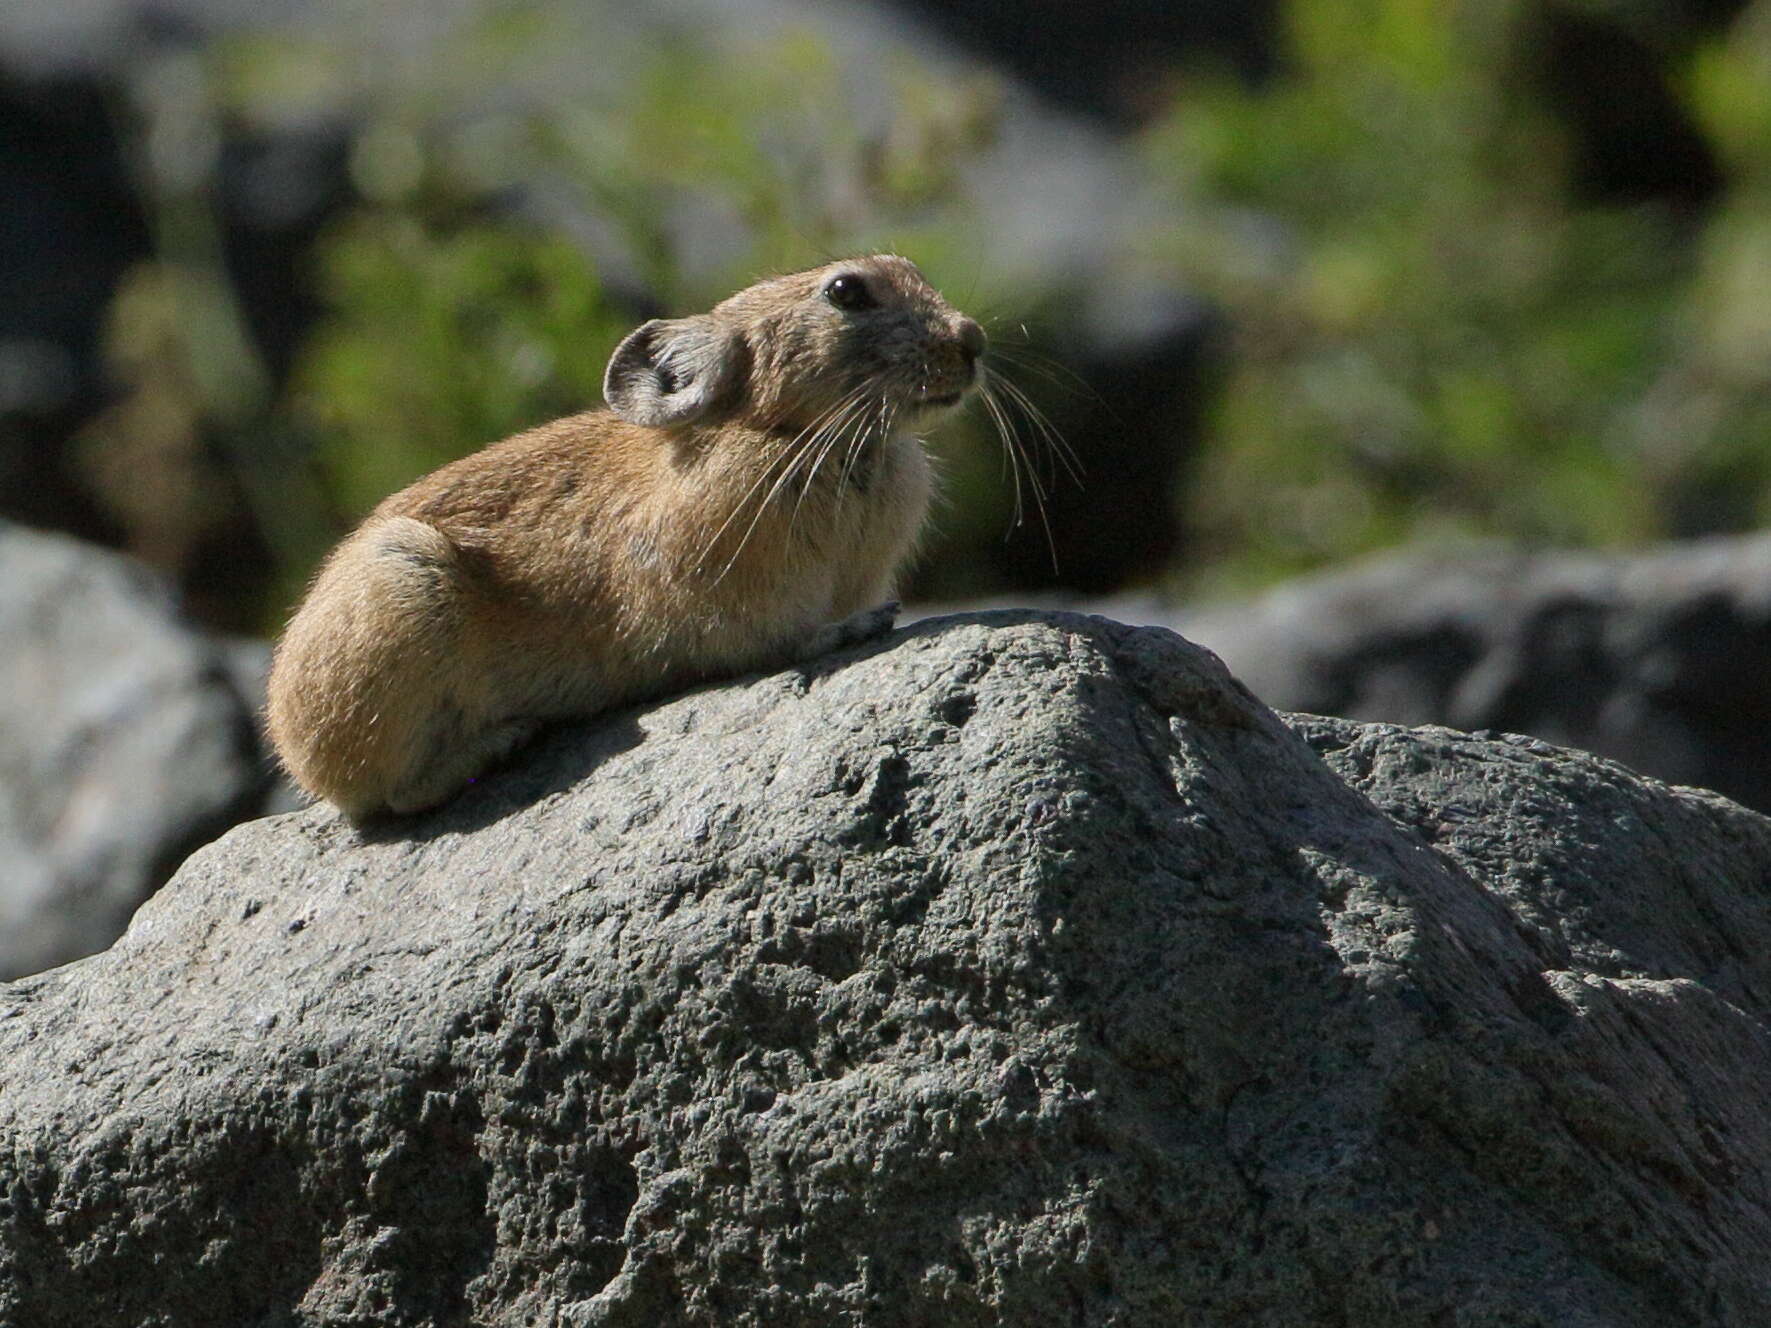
[866, 335]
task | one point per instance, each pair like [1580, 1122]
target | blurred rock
[125, 742]
[1116, 59]
[1660, 659]
[80, 213]
[1120, 60]
[73, 227]
[1017, 970]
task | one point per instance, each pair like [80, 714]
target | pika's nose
[971, 338]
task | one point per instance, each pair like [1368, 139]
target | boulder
[1019, 969]
[126, 740]
[1661, 659]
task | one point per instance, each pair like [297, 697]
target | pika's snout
[971, 339]
[953, 363]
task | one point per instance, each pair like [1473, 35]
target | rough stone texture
[1020, 970]
[125, 742]
[1659, 659]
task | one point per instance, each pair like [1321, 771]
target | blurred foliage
[1705, 424]
[1432, 332]
[460, 303]
[1433, 335]
[147, 455]
[441, 339]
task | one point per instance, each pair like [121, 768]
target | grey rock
[125, 743]
[1018, 969]
[1660, 659]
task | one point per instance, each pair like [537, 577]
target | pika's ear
[673, 371]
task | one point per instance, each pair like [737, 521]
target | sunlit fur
[596, 560]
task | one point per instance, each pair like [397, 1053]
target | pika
[745, 501]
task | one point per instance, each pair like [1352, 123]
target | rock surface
[1019, 969]
[126, 740]
[1660, 659]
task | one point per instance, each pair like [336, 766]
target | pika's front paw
[867, 625]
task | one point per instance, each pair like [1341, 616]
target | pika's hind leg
[363, 684]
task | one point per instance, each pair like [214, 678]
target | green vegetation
[442, 336]
[452, 319]
[1432, 331]
[1434, 335]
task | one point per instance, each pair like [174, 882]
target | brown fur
[698, 529]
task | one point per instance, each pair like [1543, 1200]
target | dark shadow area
[556, 759]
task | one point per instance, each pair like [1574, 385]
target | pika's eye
[847, 291]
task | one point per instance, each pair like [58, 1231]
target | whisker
[880, 427]
[1042, 427]
[812, 443]
[995, 390]
[853, 423]
[784, 460]
[1004, 430]
[1055, 372]
[789, 456]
